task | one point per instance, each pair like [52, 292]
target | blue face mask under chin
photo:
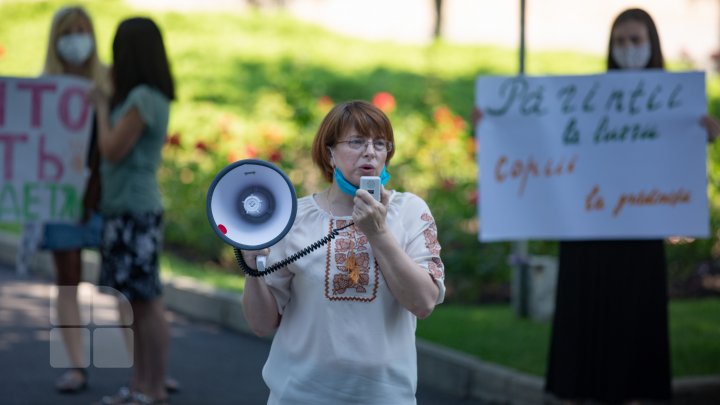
[349, 188]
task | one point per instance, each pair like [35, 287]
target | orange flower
[325, 103]
[384, 101]
[442, 114]
[353, 269]
[250, 151]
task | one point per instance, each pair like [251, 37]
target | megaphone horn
[251, 205]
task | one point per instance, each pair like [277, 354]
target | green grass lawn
[493, 333]
[207, 273]
[496, 334]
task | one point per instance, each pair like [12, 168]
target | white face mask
[75, 49]
[632, 57]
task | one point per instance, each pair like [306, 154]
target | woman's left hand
[97, 97]
[712, 126]
[369, 214]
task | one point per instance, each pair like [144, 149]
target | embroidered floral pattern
[351, 275]
[435, 267]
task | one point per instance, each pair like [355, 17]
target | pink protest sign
[45, 126]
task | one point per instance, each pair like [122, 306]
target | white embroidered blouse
[343, 337]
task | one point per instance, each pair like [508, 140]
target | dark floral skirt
[130, 248]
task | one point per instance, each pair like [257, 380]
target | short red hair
[365, 118]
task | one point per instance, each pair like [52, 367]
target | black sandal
[69, 383]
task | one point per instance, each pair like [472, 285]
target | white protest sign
[45, 126]
[611, 156]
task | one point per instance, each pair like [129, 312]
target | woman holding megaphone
[344, 316]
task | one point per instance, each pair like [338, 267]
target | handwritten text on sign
[45, 126]
[618, 155]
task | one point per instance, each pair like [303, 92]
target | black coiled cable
[277, 266]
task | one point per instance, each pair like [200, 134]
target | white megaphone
[251, 205]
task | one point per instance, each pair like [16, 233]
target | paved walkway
[213, 365]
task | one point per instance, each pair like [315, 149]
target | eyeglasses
[380, 145]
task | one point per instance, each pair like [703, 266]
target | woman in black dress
[610, 338]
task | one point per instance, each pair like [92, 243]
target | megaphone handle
[261, 261]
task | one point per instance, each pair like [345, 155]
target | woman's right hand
[250, 256]
[258, 302]
[477, 116]
[712, 126]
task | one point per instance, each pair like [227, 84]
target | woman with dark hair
[344, 316]
[132, 128]
[610, 329]
[634, 42]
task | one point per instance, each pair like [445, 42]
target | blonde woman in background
[71, 50]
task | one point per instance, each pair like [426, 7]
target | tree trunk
[437, 32]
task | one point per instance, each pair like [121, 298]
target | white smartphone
[372, 185]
